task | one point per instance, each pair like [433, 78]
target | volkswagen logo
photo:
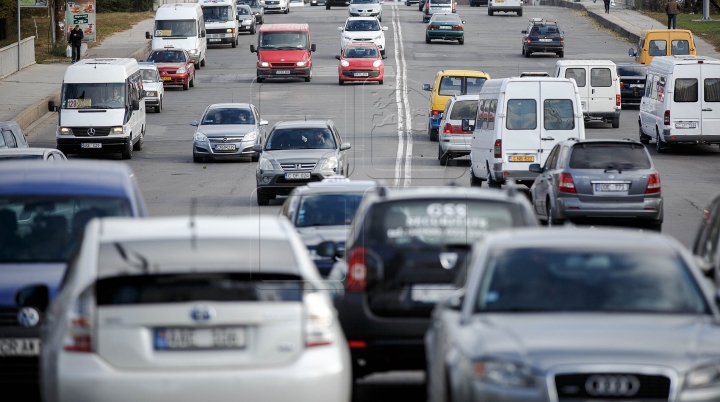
[202, 313]
[91, 131]
[28, 317]
[612, 385]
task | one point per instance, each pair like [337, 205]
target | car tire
[655, 226]
[432, 133]
[380, 19]
[561, 54]
[659, 145]
[444, 157]
[461, 41]
[287, 10]
[307, 79]
[127, 152]
[197, 159]
[474, 180]
[327, 7]
[491, 182]
[192, 82]
[341, 82]
[427, 39]
[202, 62]
[616, 122]
[138, 146]
[382, 53]
[158, 108]
[519, 13]
[262, 20]
[253, 30]
[255, 158]
[234, 43]
[523, 51]
[186, 86]
[644, 139]
[490, 13]
[260, 80]
[381, 82]
[263, 199]
[527, 53]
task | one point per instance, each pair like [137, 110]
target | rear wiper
[144, 264]
[612, 167]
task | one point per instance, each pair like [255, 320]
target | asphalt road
[385, 124]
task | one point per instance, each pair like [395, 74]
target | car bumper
[214, 39]
[544, 47]
[154, 101]
[601, 115]
[319, 374]
[506, 9]
[292, 72]
[501, 172]
[631, 97]
[447, 35]
[274, 8]
[276, 184]
[456, 148]
[675, 136]
[650, 209]
[209, 149]
[108, 144]
[176, 79]
[349, 75]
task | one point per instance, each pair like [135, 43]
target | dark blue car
[43, 211]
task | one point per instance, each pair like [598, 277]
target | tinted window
[657, 48]
[600, 77]
[521, 114]
[632, 71]
[167, 56]
[544, 30]
[327, 209]
[360, 52]
[603, 155]
[464, 110]
[528, 279]
[578, 74]
[450, 86]
[228, 116]
[19, 157]
[712, 90]
[283, 40]
[680, 47]
[175, 28]
[558, 114]
[473, 85]
[446, 18]
[491, 114]
[686, 90]
[362, 25]
[89, 96]
[300, 138]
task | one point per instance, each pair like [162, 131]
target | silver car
[152, 85]
[576, 314]
[42, 154]
[227, 131]
[453, 141]
[257, 7]
[246, 19]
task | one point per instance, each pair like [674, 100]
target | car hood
[548, 340]
[14, 277]
[100, 118]
[314, 235]
[300, 155]
[274, 56]
[169, 66]
[152, 86]
[362, 34]
[222, 130]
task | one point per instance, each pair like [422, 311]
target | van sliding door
[710, 100]
[686, 109]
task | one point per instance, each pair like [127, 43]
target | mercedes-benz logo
[91, 131]
[224, 139]
[612, 385]
[448, 260]
[28, 317]
[202, 312]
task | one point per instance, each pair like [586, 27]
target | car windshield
[362, 25]
[327, 209]
[632, 71]
[167, 56]
[422, 223]
[446, 18]
[360, 52]
[20, 157]
[589, 280]
[216, 13]
[244, 11]
[228, 116]
[609, 156]
[149, 75]
[364, 1]
[175, 28]
[283, 40]
[93, 96]
[466, 109]
[46, 228]
[251, 3]
[300, 138]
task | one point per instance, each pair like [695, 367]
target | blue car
[43, 211]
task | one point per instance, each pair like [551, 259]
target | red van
[284, 51]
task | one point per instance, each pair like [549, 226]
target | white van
[221, 21]
[102, 107]
[519, 120]
[512, 6]
[681, 102]
[181, 25]
[600, 96]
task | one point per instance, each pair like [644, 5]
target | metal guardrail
[9, 56]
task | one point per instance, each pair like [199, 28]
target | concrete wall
[9, 56]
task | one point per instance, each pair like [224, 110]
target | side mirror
[337, 57]
[51, 106]
[147, 35]
[631, 52]
[466, 126]
[313, 48]
[345, 146]
[523, 32]
[326, 249]
[135, 105]
[426, 87]
[257, 148]
[194, 123]
[462, 22]
[144, 93]
[705, 266]
[252, 49]
[202, 34]
[340, 29]
[37, 296]
[536, 168]
[385, 28]
[263, 122]
[456, 299]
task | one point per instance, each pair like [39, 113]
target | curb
[631, 36]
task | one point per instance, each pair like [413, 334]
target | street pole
[706, 10]
[18, 35]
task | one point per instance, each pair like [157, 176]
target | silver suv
[453, 141]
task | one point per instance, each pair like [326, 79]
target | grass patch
[709, 31]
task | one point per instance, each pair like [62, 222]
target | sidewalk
[24, 95]
[627, 22]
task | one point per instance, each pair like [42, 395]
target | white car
[194, 309]
[363, 30]
[366, 8]
[152, 85]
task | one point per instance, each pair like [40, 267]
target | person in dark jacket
[672, 8]
[75, 40]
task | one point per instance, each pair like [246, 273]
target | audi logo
[612, 385]
[91, 131]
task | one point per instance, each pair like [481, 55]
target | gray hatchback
[227, 131]
[598, 180]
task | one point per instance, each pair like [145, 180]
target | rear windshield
[362, 25]
[454, 85]
[464, 110]
[327, 209]
[657, 48]
[680, 48]
[632, 71]
[609, 155]
[422, 223]
[545, 30]
[300, 138]
[446, 18]
[441, 1]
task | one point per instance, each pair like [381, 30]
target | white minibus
[181, 25]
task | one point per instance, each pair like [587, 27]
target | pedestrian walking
[75, 41]
[607, 6]
[672, 8]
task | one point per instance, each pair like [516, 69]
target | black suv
[543, 36]
[336, 3]
[406, 250]
[632, 82]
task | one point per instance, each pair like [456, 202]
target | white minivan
[519, 120]
[600, 95]
[102, 108]
[221, 22]
[681, 102]
[181, 25]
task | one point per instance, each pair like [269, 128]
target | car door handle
[548, 139]
[593, 91]
[707, 110]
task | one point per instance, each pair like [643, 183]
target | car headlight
[504, 373]
[193, 51]
[264, 64]
[344, 63]
[250, 136]
[301, 63]
[377, 63]
[117, 130]
[330, 163]
[181, 70]
[703, 376]
[65, 130]
[151, 93]
[229, 30]
[265, 164]
[200, 137]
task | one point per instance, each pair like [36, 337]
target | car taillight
[562, 39]
[617, 99]
[528, 39]
[451, 129]
[81, 323]
[566, 185]
[318, 320]
[435, 112]
[427, 5]
[653, 185]
[433, 27]
[457, 28]
[356, 278]
[666, 118]
[622, 84]
[497, 148]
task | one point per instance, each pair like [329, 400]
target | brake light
[427, 5]
[356, 279]
[435, 112]
[451, 129]
[666, 118]
[457, 28]
[318, 320]
[622, 84]
[617, 99]
[566, 185]
[497, 148]
[562, 39]
[653, 185]
[433, 27]
[357, 344]
[80, 323]
[528, 39]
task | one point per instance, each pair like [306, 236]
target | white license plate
[292, 176]
[213, 40]
[637, 85]
[686, 125]
[19, 347]
[445, 27]
[91, 145]
[545, 40]
[361, 74]
[199, 338]
[432, 293]
[225, 147]
[611, 187]
[282, 72]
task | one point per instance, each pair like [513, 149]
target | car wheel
[307, 79]
[287, 10]
[432, 133]
[341, 82]
[252, 30]
[158, 108]
[255, 158]
[260, 80]
[202, 62]
[616, 122]
[659, 145]
[381, 82]
[561, 54]
[461, 41]
[186, 86]
[643, 138]
[527, 53]
[262, 20]
[655, 226]
[197, 65]
[139, 144]
[327, 7]
[427, 39]
[523, 51]
[192, 82]
[491, 182]
[519, 13]
[263, 199]
[234, 43]
[127, 152]
[490, 13]
[474, 180]
[197, 159]
[444, 157]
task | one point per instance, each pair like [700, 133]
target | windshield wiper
[612, 167]
[144, 265]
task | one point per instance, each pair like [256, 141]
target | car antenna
[193, 236]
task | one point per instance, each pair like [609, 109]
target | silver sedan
[228, 131]
[577, 315]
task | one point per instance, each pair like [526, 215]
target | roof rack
[534, 74]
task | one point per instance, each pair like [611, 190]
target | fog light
[266, 180]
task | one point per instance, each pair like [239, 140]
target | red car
[360, 62]
[175, 66]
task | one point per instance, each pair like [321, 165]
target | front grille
[298, 166]
[227, 139]
[282, 64]
[8, 317]
[83, 131]
[612, 387]
[272, 2]
[216, 31]
[18, 370]
[170, 71]
[282, 180]
[362, 40]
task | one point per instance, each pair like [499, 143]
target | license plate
[499, 1]
[19, 347]
[282, 72]
[91, 145]
[445, 27]
[199, 338]
[522, 158]
[637, 85]
[431, 293]
[685, 125]
[213, 40]
[545, 40]
[361, 74]
[225, 147]
[291, 176]
[611, 187]
[166, 78]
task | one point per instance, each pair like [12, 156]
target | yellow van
[449, 83]
[663, 42]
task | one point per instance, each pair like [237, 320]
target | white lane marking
[398, 81]
[406, 104]
[404, 123]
